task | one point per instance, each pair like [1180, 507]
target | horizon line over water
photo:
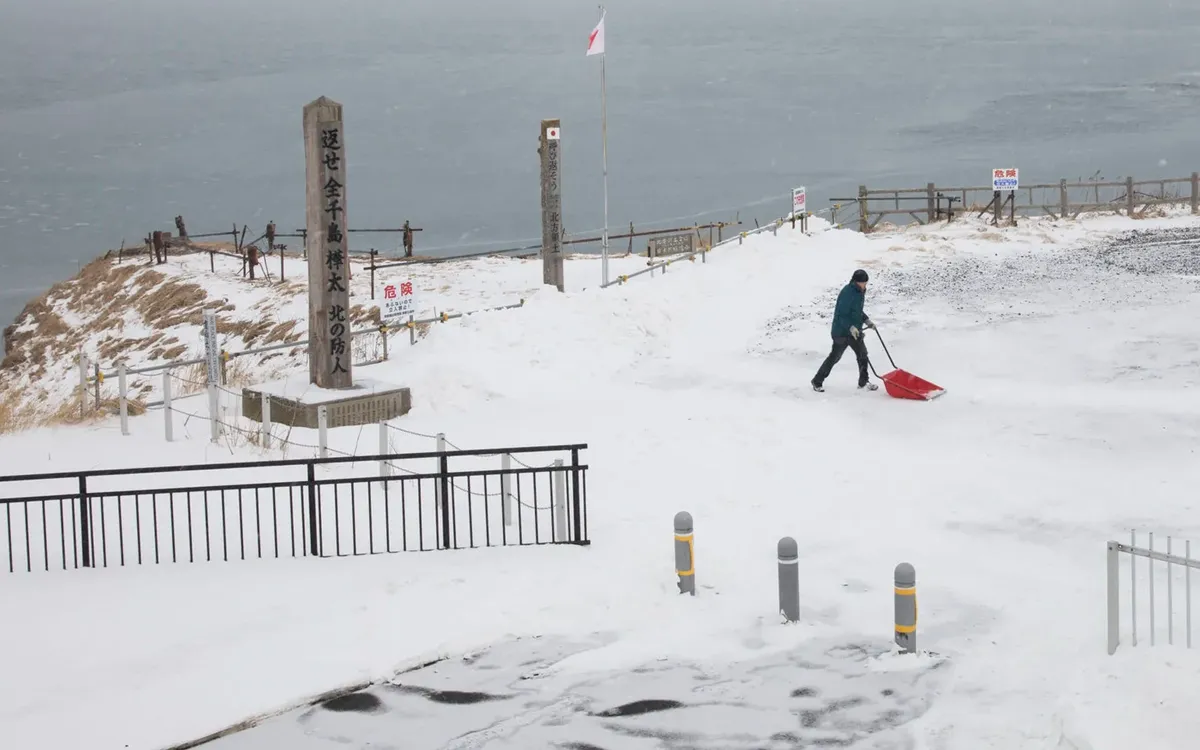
[158, 109]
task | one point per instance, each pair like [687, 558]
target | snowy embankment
[145, 315]
[1071, 363]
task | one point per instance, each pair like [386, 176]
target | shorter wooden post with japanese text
[548, 150]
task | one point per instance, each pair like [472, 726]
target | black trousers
[840, 343]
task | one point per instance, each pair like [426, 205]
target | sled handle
[885, 350]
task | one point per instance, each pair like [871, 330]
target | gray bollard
[789, 579]
[685, 555]
[906, 608]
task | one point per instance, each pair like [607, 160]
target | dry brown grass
[18, 412]
[1151, 212]
[108, 291]
[239, 373]
[15, 414]
[283, 332]
[172, 303]
[190, 379]
[15, 341]
[101, 284]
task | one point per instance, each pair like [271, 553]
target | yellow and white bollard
[685, 553]
[906, 608]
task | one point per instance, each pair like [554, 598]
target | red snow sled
[902, 384]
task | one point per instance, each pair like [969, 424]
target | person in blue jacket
[849, 322]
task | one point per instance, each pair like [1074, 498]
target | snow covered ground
[1071, 356]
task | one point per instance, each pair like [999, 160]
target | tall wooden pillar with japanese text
[329, 351]
[548, 150]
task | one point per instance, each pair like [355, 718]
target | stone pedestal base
[366, 403]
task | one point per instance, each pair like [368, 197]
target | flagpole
[604, 150]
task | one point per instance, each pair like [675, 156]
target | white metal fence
[1171, 572]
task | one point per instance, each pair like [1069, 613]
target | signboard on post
[800, 208]
[799, 201]
[1005, 180]
[399, 302]
[212, 352]
[672, 244]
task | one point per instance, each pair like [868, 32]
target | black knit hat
[859, 275]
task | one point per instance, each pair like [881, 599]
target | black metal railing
[361, 505]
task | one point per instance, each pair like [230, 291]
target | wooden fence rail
[931, 203]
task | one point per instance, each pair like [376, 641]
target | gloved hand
[854, 332]
[868, 323]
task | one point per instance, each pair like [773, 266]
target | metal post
[506, 488]
[372, 269]
[437, 485]
[577, 495]
[1064, 203]
[1187, 588]
[323, 430]
[1133, 587]
[1195, 192]
[443, 484]
[412, 330]
[266, 421]
[789, 579]
[906, 608]
[1129, 207]
[385, 469]
[99, 382]
[440, 447]
[383, 333]
[123, 397]
[560, 502]
[1170, 600]
[85, 525]
[214, 416]
[685, 553]
[1114, 597]
[314, 541]
[83, 377]
[1150, 569]
[169, 415]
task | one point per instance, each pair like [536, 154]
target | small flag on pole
[596, 40]
[553, 134]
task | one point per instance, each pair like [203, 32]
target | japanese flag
[596, 40]
[553, 134]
